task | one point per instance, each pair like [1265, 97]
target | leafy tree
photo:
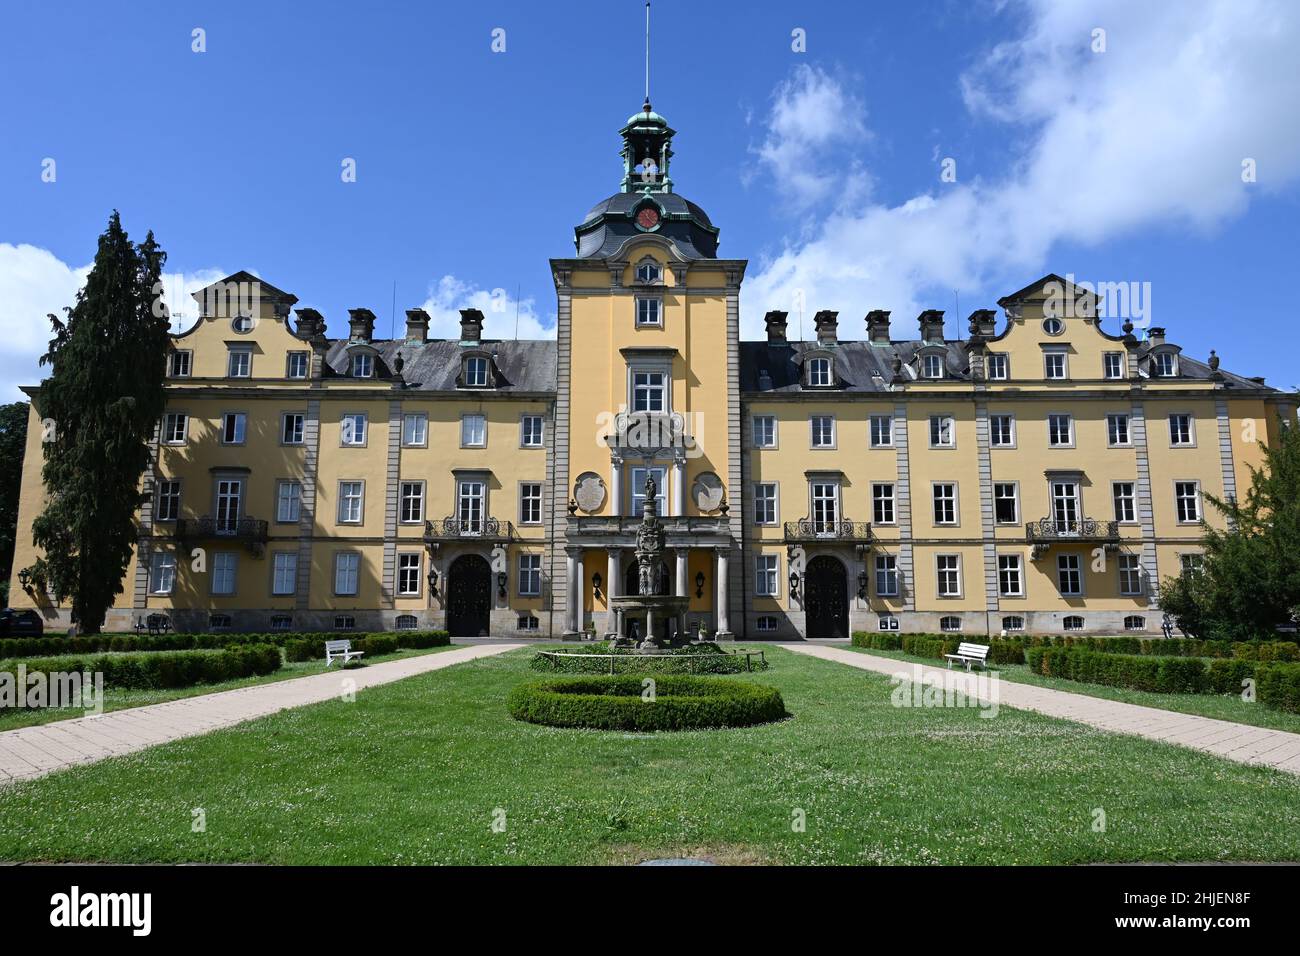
[13, 440]
[103, 399]
[1250, 582]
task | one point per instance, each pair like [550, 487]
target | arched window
[219, 622]
[1073, 622]
[888, 622]
[950, 623]
[648, 272]
[1013, 623]
[819, 372]
[405, 622]
[476, 372]
[1135, 622]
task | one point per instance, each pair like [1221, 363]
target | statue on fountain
[650, 598]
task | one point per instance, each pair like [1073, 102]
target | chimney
[878, 326]
[983, 322]
[1156, 336]
[931, 321]
[471, 326]
[361, 325]
[310, 323]
[775, 322]
[417, 325]
[825, 322]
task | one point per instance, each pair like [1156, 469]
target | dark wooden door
[469, 596]
[826, 599]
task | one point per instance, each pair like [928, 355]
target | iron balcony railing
[1048, 531]
[811, 529]
[453, 527]
[251, 532]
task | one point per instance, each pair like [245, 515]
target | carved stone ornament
[707, 491]
[589, 491]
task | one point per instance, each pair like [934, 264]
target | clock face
[647, 217]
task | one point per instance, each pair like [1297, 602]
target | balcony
[452, 528]
[828, 532]
[1045, 532]
[250, 532]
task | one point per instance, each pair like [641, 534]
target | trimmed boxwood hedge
[160, 669]
[1161, 675]
[614, 703]
[697, 659]
[311, 647]
[100, 643]
[1278, 686]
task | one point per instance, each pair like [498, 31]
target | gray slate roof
[609, 224]
[524, 366]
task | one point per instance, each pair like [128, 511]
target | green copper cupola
[647, 150]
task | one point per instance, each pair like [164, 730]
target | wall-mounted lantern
[699, 584]
[862, 584]
[501, 584]
[595, 584]
[794, 584]
[25, 579]
[433, 580]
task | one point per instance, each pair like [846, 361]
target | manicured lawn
[122, 698]
[1220, 706]
[416, 771]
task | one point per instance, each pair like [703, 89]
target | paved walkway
[35, 751]
[1223, 738]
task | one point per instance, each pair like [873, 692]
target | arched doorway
[826, 599]
[469, 596]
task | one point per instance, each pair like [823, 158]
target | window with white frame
[347, 570]
[948, 574]
[476, 372]
[932, 366]
[1060, 431]
[648, 272]
[649, 392]
[293, 428]
[1135, 622]
[823, 431]
[943, 431]
[471, 504]
[415, 429]
[882, 502]
[1164, 364]
[284, 573]
[1130, 575]
[945, 502]
[530, 502]
[1191, 563]
[886, 575]
[230, 498]
[531, 431]
[162, 572]
[1123, 493]
[764, 431]
[649, 311]
[1054, 366]
[1180, 430]
[765, 502]
[1072, 622]
[526, 622]
[473, 431]
[997, 367]
[233, 428]
[179, 363]
[1013, 622]
[1069, 576]
[345, 622]
[352, 429]
[1112, 365]
[411, 502]
[1117, 432]
[1065, 506]
[766, 569]
[887, 622]
[405, 622]
[1187, 498]
[1002, 431]
[1006, 502]
[825, 506]
[169, 500]
[351, 501]
[530, 575]
[297, 364]
[175, 427]
[288, 501]
[950, 623]
[363, 365]
[1011, 578]
[408, 573]
[239, 363]
[639, 474]
[819, 372]
[882, 431]
[223, 572]
[1053, 325]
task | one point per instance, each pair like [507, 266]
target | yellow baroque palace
[1039, 475]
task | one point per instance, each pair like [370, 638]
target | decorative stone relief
[707, 491]
[589, 491]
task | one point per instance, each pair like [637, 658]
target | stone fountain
[648, 602]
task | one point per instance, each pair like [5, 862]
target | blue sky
[821, 167]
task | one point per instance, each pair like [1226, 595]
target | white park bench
[970, 654]
[340, 651]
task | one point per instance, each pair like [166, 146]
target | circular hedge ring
[679, 702]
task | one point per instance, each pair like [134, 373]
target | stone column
[679, 487]
[613, 588]
[683, 585]
[723, 617]
[616, 486]
[572, 611]
[579, 587]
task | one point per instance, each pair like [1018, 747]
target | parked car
[25, 623]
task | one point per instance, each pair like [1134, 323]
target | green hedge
[1161, 675]
[615, 703]
[714, 661]
[1277, 685]
[311, 647]
[100, 643]
[161, 669]
[1012, 650]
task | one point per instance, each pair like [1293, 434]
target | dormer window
[649, 312]
[363, 365]
[476, 372]
[242, 324]
[649, 272]
[932, 366]
[819, 373]
[997, 367]
[1164, 364]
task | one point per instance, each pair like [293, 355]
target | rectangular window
[1068, 576]
[1187, 496]
[942, 431]
[823, 431]
[882, 431]
[819, 373]
[948, 574]
[1112, 365]
[649, 311]
[1006, 502]
[997, 367]
[531, 431]
[175, 426]
[1060, 431]
[351, 501]
[1117, 430]
[765, 575]
[1164, 365]
[886, 575]
[353, 428]
[411, 502]
[1002, 431]
[162, 572]
[530, 502]
[471, 505]
[223, 572]
[297, 364]
[1054, 365]
[284, 577]
[473, 431]
[764, 431]
[1180, 430]
[932, 366]
[660, 475]
[415, 430]
[882, 503]
[179, 364]
[765, 502]
[649, 392]
[230, 495]
[169, 500]
[1065, 506]
[1191, 563]
[825, 507]
[239, 363]
[347, 568]
[476, 372]
[293, 428]
[408, 574]
[233, 427]
[1011, 582]
[1130, 575]
[1125, 501]
[288, 502]
[530, 575]
[945, 502]
[363, 365]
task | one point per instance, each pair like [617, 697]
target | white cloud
[449, 295]
[1152, 131]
